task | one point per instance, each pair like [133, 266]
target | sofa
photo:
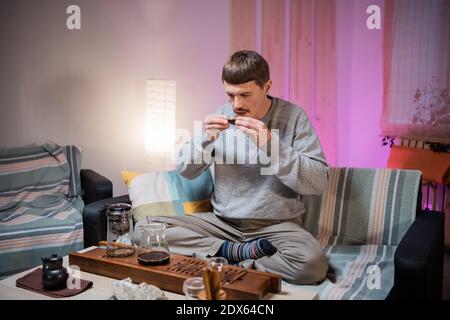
[379, 242]
[42, 195]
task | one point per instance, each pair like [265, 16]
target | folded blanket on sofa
[360, 220]
[37, 216]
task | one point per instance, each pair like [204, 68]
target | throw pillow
[168, 193]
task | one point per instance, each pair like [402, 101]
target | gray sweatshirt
[260, 183]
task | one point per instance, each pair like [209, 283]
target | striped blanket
[40, 210]
[359, 221]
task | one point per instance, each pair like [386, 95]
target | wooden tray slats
[170, 277]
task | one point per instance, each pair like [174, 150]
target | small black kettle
[54, 275]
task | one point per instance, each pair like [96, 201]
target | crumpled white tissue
[126, 290]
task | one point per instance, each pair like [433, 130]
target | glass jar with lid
[119, 230]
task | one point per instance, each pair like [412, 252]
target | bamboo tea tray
[239, 283]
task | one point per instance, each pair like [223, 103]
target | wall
[359, 86]
[86, 87]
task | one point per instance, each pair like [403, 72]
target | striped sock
[239, 251]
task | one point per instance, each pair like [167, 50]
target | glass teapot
[153, 247]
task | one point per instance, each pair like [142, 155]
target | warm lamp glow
[160, 105]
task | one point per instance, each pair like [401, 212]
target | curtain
[416, 102]
[297, 38]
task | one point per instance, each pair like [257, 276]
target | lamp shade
[160, 109]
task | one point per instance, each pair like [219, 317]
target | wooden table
[102, 289]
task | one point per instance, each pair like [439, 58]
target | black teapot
[54, 275]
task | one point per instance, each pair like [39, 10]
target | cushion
[435, 166]
[168, 193]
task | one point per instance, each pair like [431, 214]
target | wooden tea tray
[239, 283]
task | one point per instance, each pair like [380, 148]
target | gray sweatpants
[298, 260]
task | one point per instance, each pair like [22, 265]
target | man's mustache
[240, 110]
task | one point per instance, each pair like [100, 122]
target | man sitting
[263, 159]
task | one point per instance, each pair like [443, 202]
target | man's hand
[213, 124]
[255, 129]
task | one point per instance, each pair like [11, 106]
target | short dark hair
[244, 66]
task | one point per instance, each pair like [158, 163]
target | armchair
[97, 195]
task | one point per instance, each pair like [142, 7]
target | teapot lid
[53, 258]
